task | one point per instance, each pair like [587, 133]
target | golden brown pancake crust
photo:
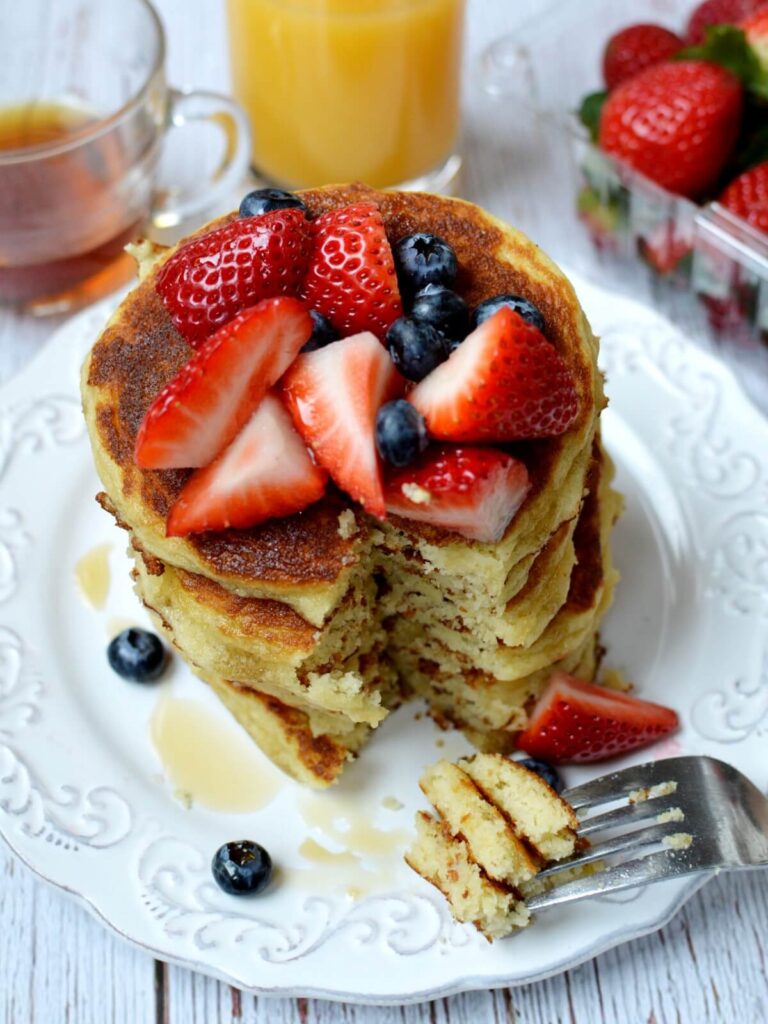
[322, 756]
[139, 353]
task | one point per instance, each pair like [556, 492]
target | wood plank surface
[59, 965]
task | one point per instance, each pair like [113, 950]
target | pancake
[313, 627]
[302, 560]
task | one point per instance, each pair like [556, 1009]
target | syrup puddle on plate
[367, 858]
[313, 851]
[340, 822]
[92, 575]
[208, 762]
[116, 625]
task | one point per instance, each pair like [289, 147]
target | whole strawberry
[676, 123]
[351, 276]
[717, 12]
[747, 197]
[212, 278]
[636, 48]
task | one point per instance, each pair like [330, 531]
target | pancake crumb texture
[496, 825]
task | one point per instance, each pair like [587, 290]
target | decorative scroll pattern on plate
[736, 711]
[710, 458]
[177, 890]
[69, 816]
[66, 815]
[36, 425]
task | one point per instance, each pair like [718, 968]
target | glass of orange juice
[350, 90]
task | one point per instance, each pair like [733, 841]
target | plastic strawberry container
[705, 268]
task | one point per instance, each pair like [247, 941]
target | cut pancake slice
[489, 836]
[546, 821]
[498, 825]
[444, 860]
[265, 645]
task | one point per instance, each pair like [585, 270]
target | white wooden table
[58, 965]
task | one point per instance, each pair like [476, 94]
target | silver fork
[720, 815]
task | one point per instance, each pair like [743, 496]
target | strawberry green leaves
[728, 46]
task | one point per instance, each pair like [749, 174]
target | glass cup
[84, 109]
[350, 90]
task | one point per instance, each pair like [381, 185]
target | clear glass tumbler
[350, 90]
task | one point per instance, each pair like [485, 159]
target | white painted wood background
[58, 965]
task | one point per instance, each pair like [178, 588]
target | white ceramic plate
[83, 800]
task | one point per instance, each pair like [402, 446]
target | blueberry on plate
[323, 332]
[546, 771]
[416, 347]
[263, 200]
[516, 303]
[242, 868]
[423, 259]
[137, 654]
[446, 311]
[401, 433]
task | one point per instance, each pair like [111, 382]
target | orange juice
[343, 90]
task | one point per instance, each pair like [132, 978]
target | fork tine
[655, 867]
[622, 783]
[625, 814]
[635, 840]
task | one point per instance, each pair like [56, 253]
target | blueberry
[546, 771]
[263, 200]
[416, 347]
[137, 654]
[242, 868]
[423, 259]
[517, 303]
[323, 333]
[401, 433]
[446, 311]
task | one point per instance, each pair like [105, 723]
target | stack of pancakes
[312, 628]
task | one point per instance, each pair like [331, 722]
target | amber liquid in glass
[62, 227]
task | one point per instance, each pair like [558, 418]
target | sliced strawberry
[265, 473]
[351, 277]
[205, 405]
[578, 721]
[505, 382]
[472, 491]
[212, 278]
[334, 394]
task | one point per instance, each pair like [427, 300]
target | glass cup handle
[504, 69]
[173, 206]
